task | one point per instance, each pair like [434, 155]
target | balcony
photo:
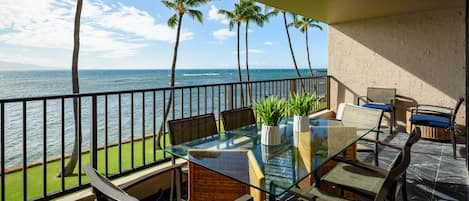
[417, 49]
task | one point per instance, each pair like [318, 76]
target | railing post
[94, 132]
[230, 97]
[293, 86]
[328, 91]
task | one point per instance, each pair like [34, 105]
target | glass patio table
[283, 166]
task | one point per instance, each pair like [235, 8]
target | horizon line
[182, 68]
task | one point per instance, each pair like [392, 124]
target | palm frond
[173, 20]
[316, 26]
[196, 3]
[231, 25]
[169, 4]
[196, 14]
[226, 13]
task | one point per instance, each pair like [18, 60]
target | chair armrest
[245, 197]
[359, 164]
[365, 98]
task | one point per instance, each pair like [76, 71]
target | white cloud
[132, 20]
[268, 43]
[223, 34]
[251, 51]
[214, 15]
[111, 31]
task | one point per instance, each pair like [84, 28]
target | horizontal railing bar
[38, 98]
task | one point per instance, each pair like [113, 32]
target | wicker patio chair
[188, 129]
[364, 180]
[439, 117]
[383, 99]
[362, 117]
[208, 185]
[237, 118]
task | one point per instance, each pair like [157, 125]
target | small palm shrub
[271, 110]
[301, 105]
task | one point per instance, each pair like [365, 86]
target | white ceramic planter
[300, 123]
[270, 135]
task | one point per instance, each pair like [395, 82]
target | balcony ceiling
[337, 11]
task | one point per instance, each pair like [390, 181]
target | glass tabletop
[238, 154]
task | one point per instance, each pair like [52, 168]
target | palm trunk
[309, 61]
[307, 53]
[291, 50]
[173, 74]
[248, 87]
[239, 67]
[68, 169]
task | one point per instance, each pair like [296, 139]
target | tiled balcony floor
[433, 173]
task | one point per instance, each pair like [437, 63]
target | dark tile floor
[433, 173]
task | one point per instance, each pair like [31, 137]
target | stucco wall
[422, 55]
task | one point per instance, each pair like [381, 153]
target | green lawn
[14, 180]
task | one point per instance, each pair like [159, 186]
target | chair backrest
[381, 95]
[361, 117]
[237, 118]
[188, 129]
[455, 111]
[340, 110]
[103, 189]
[399, 167]
[205, 184]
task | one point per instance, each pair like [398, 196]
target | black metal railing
[116, 131]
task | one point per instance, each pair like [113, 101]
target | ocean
[16, 84]
[41, 83]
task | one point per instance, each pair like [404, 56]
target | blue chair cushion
[384, 107]
[430, 120]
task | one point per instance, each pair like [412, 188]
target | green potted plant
[271, 111]
[300, 106]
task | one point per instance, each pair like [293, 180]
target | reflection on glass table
[280, 167]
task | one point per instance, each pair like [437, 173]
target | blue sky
[133, 34]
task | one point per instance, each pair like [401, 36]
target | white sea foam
[199, 74]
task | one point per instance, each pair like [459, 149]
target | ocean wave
[199, 74]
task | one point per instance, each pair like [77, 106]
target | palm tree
[235, 17]
[180, 7]
[284, 13]
[303, 24]
[68, 169]
[250, 12]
